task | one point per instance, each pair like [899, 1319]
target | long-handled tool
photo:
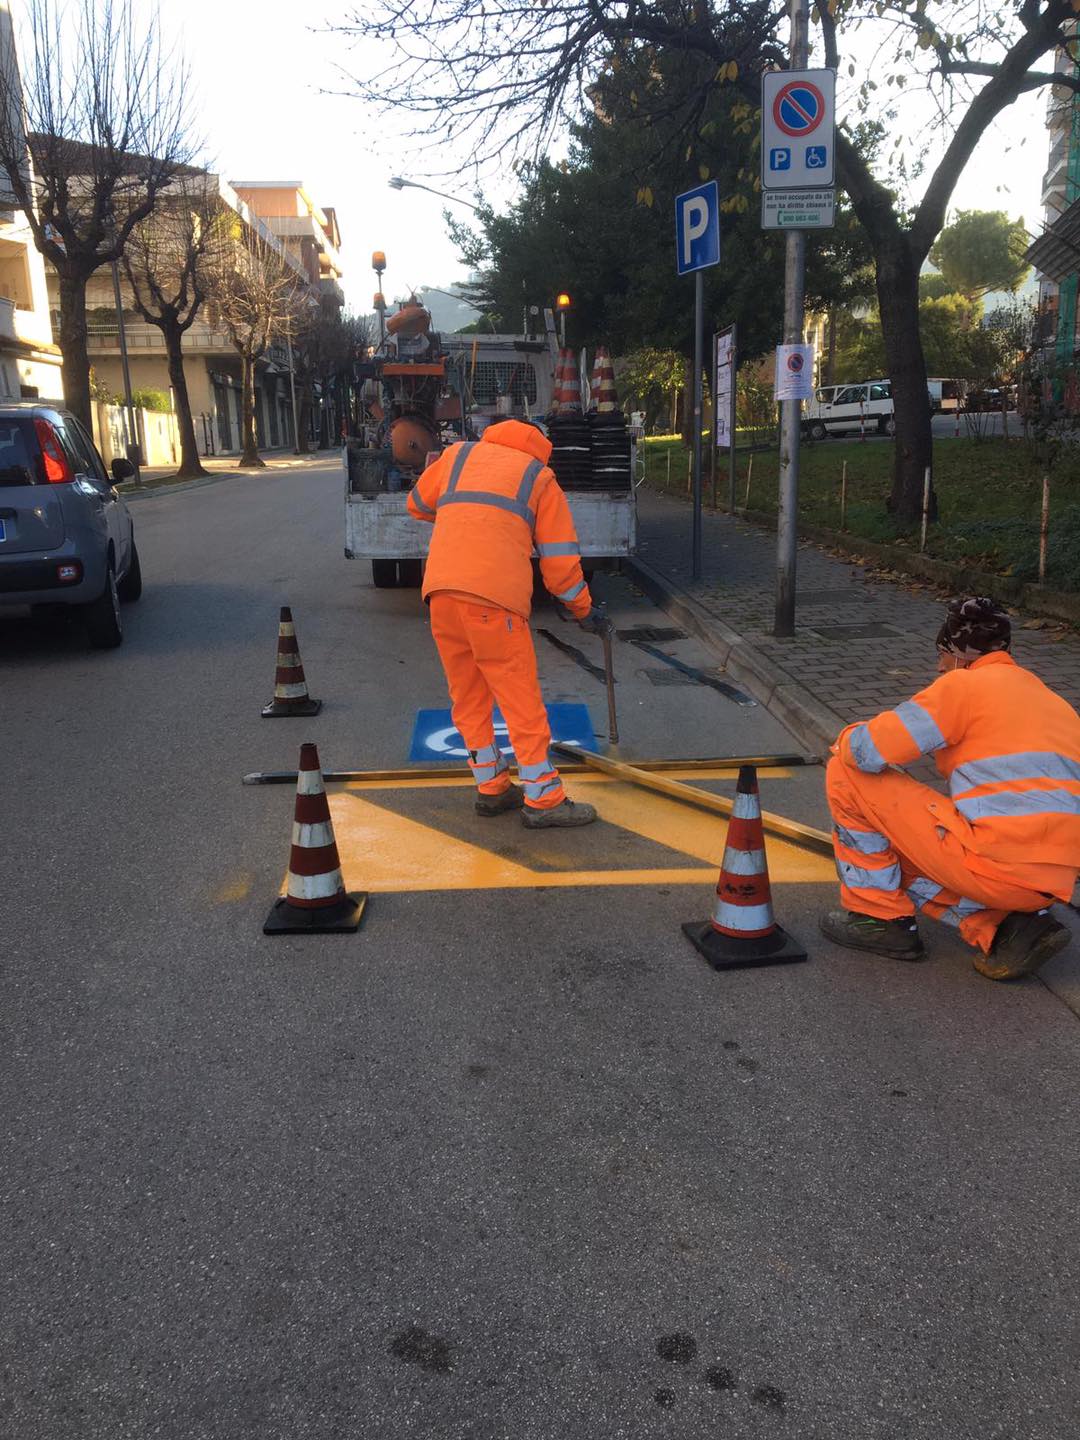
[609, 680]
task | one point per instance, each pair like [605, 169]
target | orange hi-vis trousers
[895, 857]
[489, 659]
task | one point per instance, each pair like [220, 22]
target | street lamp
[398, 182]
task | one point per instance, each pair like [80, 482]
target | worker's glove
[596, 622]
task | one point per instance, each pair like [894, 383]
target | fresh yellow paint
[383, 850]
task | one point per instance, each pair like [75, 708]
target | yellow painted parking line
[383, 850]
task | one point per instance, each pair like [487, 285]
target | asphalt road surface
[512, 1161]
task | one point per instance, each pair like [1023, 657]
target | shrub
[156, 400]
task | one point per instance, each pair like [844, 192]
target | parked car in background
[835, 409]
[66, 536]
[946, 396]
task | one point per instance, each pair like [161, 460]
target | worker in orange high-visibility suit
[993, 855]
[492, 503]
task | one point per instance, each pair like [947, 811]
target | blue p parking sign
[697, 228]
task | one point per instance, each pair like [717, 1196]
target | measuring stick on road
[609, 680]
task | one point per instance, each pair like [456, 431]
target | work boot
[895, 939]
[1023, 942]
[564, 814]
[512, 798]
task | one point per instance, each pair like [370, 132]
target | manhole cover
[872, 630]
[851, 596]
[654, 633]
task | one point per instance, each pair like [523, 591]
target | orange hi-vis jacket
[492, 502]
[1009, 749]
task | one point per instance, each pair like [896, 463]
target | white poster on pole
[724, 389]
[794, 372]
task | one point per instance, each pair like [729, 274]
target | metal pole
[134, 454]
[731, 419]
[292, 392]
[699, 360]
[790, 417]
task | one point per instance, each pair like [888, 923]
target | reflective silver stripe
[1015, 804]
[921, 726]
[528, 480]
[483, 773]
[857, 878]
[962, 910]
[537, 771]
[744, 862]
[481, 497]
[309, 782]
[459, 465]
[486, 755]
[414, 496]
[288, 662]
[560, 547]
[572, 593]
[534, 789]
[290, 692]
[315, 887]
[921, 890]
[867, 842]
[1024, 765]
[864, 752]
[314, 836]
[743, 917]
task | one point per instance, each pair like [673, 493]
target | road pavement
[511, 1162]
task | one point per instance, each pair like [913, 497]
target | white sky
[259, 68]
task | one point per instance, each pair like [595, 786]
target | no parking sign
[794, 372]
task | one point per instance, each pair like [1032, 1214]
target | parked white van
[835, 408]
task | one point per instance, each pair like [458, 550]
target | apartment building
[1056, 252]
[309, 234]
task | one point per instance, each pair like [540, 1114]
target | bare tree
[169, 262]
[258, 297]
[327, 345]
[89, 138]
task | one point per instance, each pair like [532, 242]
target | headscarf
[975, 625]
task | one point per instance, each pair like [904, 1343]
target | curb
[215, 477]
[812, 723]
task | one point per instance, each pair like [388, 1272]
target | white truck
[866, 406]
[485, 378]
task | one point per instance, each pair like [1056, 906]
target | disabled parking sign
[435, 738]
[797, 129]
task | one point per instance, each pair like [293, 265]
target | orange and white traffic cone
[743, 930]
[602, 397]
[315, 901]
[566, 398]
[290, 688]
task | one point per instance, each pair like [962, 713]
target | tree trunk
[303, 421]
[75, 368]
[190, 464]
[898, 298]
[249, 457]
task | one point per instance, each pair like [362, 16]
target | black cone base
[726, 952]
[340, 919]
[281, 709]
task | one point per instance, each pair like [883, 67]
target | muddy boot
[564, 814]
[895, 939]
[1023, 942]
[511, 798]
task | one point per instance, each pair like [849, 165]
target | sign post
[797, 153]
[725, 365]
[697, 246]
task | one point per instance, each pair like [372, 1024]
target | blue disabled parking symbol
[435, 738]
[816, 156]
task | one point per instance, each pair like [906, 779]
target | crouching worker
[993, 855]
[491, 502]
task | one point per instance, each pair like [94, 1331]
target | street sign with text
[798, 209]
[798, 109]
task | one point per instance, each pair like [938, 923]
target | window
[80, 450]
[851, 395]
[19, 453]
[825, 396]
[880, 392]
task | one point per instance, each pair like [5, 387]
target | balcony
[142, 337]
[330, 290]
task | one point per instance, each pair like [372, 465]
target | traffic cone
[290, 688]
[743, 930]
[602, 398]
[567, 395]
[315, 901]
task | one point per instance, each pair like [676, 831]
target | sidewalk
[229, 465]
[863, 642]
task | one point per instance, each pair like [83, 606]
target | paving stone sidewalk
[863, 643]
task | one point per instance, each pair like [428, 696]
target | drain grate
[654, 633]
[872, 630]
[669, 677]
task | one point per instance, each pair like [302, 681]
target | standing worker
[993, 855]
[491, 502]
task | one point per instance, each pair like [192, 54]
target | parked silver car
[66, 537]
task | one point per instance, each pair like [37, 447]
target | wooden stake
[843, 496]
[925, 507]
[1044, 526]
[749, 476]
